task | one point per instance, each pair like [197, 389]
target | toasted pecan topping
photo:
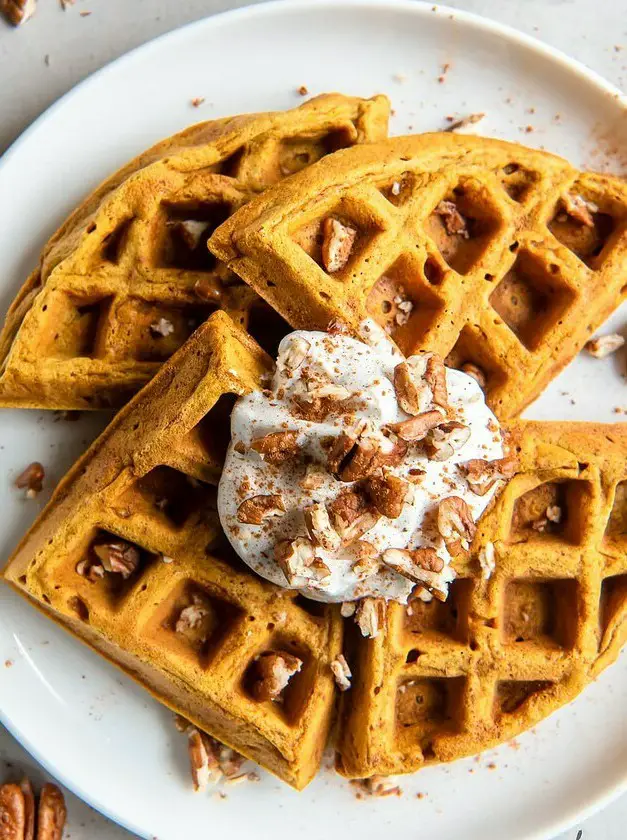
[416, 428]
[118, 557]
[348, 608]
[367, 559]
[352, 514]
[407, 562]
[554, 513]
[476, 372]
[337, 244]
[277, 447]
[203, 759]
[369, 616]
[453, 221]
[443, 441]
[387, 494]
[604, 345]
[297, 559]
[253, 511]
[361, 452]
[409, 386]
[487, 560]
[162, 328]
[314, 477]
[31, 480]
[455, 522]
[579, 209]
[274, 670]
[319, 527]
[483, 475]
[192, 617]
[295, 354]
[341, 672]
[435, 377]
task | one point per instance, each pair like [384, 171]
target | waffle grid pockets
[148, 480]
[446, 680]
[127, 278]
[517, 294]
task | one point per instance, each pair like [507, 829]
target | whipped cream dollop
[358, 472]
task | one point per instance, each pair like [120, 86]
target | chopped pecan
[361, 452]
[162, 328]
[18, 11]
[203, 759]
[277, 447]
[554, 514]
[487, 560]
[412, 392]
[51, 814]
[476, 372]
[453, 221]
[297, 559]
[192, 617]
[604, 345]
[443, 441]
[416, 428]
[319, 527]
[347, 610]
[387, 494]
[337, 244]
[435, 377]
[407, 563]
[274, 671]
[31, 480]
[341, 672]
[253, 511]
[118, 557]
[294, 354]
[367, 562]
[352, 514]
[455, 522]
[369, 616]
[314, 477]
[579, 209]
[483, 475]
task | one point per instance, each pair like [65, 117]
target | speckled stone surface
[56, 49]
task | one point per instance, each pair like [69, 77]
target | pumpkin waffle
[127, 278]
[445, 680]
[495, 256]
[129, 556]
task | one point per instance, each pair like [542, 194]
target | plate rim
[271, 8]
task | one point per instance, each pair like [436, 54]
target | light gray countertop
[56, 49]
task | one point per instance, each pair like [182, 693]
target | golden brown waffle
[127, 278]
[450, 679]
[517, 292]
[145, 481]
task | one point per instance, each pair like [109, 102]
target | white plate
[97, 732]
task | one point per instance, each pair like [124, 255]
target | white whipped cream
[343, 367]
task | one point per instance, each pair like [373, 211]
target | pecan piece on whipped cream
[369, 616]
[444, 441]
[387, 493]
[367, 559]
[118, 557]
[277, 447]
[319, 527]
[341, 672]
[362, 451]
[297, 559]
[337, 244]
[352, 514]
[253, 511]
[435, 377]
[274, 670]
[293, 357]
[420, 384]
[416, 428]
[483, 475]
[420, 565]
[455, 523]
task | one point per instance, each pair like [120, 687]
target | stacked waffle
[500, 258]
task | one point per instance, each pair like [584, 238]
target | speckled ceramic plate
[100, 734]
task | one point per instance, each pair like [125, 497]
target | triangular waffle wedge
[127, 278]
[144, 482]
[487, 252]
[445, 680]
